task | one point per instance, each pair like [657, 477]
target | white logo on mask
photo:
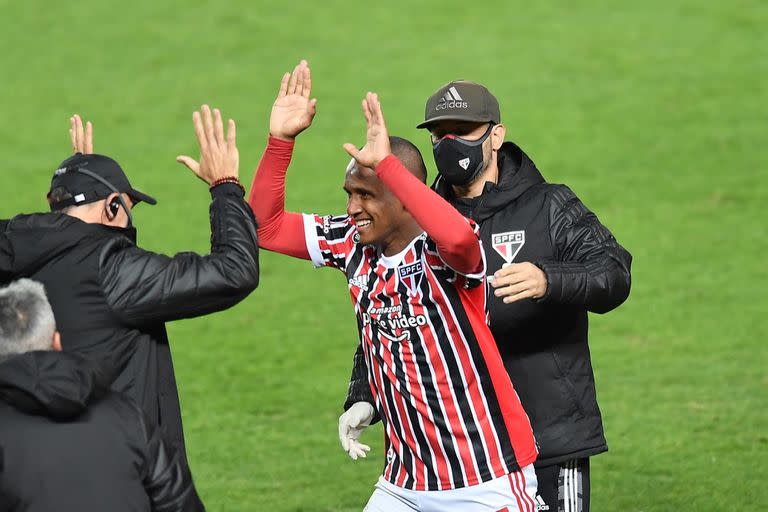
[464, 163]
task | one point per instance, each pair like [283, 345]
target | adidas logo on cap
[451, 99]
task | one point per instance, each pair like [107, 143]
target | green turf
[653, 112]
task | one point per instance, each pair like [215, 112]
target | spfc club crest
[410, 276]
[508, 244]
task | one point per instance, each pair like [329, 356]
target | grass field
[653, 112]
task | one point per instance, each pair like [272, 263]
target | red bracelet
[228, 179]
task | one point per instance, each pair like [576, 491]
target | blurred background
[654, 113]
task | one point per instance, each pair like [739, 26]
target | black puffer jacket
[544, 342]
[111, 299]
[68, 443]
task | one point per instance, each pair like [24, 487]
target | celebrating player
[458, 437]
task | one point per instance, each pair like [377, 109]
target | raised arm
[141, 286]
[292, 113]
[456, 241]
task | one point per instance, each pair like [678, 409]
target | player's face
[377, 213]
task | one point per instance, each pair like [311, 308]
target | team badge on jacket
[410, 276]
[508, 244]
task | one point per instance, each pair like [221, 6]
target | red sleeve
[455, 239]
[278, 230]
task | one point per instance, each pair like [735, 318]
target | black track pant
[563, 487]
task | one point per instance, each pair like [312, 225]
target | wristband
[228, 179]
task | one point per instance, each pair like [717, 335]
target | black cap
[85, 188]
[461, 101]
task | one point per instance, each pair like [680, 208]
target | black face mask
[460, 161]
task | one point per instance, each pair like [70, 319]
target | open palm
[293, 110]
[377, 146]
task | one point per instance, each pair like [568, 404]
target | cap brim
[454, 117]
[138, 196]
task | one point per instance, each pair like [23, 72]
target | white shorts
[515, 492]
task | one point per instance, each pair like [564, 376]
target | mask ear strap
[110, 187]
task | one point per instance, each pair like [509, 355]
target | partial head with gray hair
[26, 318]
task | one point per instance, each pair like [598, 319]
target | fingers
[76, 134]
[357, 450]
[284, 85]
[367, 113]
[312, 107]
[88, 138]
[374, 107]
[307, 89]
[231, 135]
[218, 127]
[190, 162]
[352, 150]
[293, 80]
[513, 289]
[208, 125]
[300, 77]
[518, 281]
[197, 121]
[344, 432]
[72, 135]
[527, 294]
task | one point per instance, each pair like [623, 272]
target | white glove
[351, 425]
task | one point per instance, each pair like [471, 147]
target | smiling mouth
[362, 224]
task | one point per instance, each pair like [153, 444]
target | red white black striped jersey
[451, 416]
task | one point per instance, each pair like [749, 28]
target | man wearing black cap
[112, 299]
[550, 261]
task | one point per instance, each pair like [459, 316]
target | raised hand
[376, 146]
[293, 111]
[82, 139]
[219, 157]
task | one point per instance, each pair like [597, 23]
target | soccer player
[458, 438]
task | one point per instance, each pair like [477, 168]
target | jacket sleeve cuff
[562, 290]
[227, 189]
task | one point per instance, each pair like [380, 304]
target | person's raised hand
[293, 110]
[219, 157]
[518, 281]
[81, 138]
[377, 146]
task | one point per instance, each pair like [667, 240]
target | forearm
[141, 286]
[599, 284]
[279, 231]
[591, 268]
[359, 387]
[456, 242]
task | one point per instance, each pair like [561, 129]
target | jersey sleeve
[438, 264]
[330, 240]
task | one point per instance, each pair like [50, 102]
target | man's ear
[56, 345]
[109, 209]
[498, 133]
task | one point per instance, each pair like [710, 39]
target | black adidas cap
[84, 188]
[461, 101]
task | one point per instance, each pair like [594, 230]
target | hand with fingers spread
[293, 110]
[219, 158]
[82, 139]
[377, 146]
[518, 281]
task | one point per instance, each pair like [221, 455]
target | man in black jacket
[66, 441]
[111, 298]
[550, 261]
